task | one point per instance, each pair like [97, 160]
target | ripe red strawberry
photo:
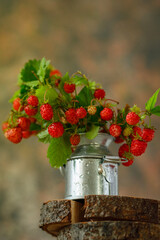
[132, 118]
[56, 129]
[124, 153]
[106, 114]
[26, 134]
[115, 130]
[30, 111]
[138, 147]
[46, 111]
[69, 88]
[71, 116]
[5, 125]
[81, 112]
[14, 134]
[99, 93]
[32, 119]
[17, 105]
[55, 72]
[118, 140]
[24, 123]
[92, 110]
[147, 134]
[137, 133]
[75, 139]
[33, 101]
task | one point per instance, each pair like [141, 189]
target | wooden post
[101, 217]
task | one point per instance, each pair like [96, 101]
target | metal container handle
[114, 159]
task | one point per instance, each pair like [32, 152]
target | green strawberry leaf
[156, 110]
[84, 97]
[44, 136]
[79, 80]
[15, 95]
[43, 69]
[92, 133]
[26, 74]
[49, 93]
[59, 150]
[152, 101]
[32, 84]
[35, 126]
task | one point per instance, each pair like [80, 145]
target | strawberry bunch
[59, 108]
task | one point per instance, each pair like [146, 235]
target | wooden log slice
[110, 230]
[58, 213]
[101, 207]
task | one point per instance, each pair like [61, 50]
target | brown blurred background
[114, 43]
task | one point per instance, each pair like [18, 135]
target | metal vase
[92, 169]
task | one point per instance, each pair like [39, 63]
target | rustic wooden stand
[101, 217]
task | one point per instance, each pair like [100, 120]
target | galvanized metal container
[92, 169]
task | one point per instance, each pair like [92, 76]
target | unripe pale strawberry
[92, 110]
[132, 118]
[56, 129]
[127, 131]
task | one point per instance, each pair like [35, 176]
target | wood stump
[100, 217]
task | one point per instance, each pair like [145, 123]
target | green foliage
[79, 80]
[65, 96]
[59, 150]
[44, 136]
[35, 126]
[84, 97]
[15, 95]
[43, 69]
[32, 84]
[92, 133]
[48, 93]
[156, 110]
[152, 101]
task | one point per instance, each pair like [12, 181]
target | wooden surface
[110, 230]
[102, 214]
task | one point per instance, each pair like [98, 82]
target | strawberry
[56, 129]
[24, 123]
[147, 134]
[132, 118]
[14, 135]
[32, 119]
[92, 110]
[55, 72]
[17, 105]
[5, 125]
[118, 140]
[30, 111]
[99, 93]
[46, 111]
[75, 139]
[127, 131]
[71, 116]
[125, 153]
[81, 112]
[33, 101]
[115, 130]
[138, 147]
[26, 134]
[137, 133]
[106, 114]
[69, 88]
